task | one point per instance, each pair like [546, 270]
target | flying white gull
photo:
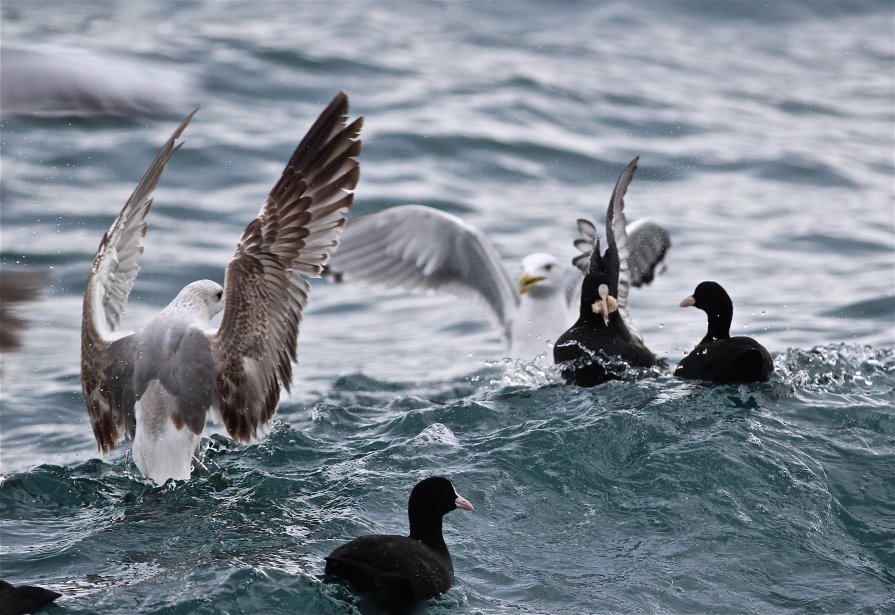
[415, 247]
[158, 385]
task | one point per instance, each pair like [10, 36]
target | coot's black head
[709, 297]
[435, 496]
[712, 299]
[596, 297]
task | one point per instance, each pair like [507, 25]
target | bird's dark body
[590, 353]
[22, 599]
[720, 357]
[601, 347]
[731, 360]
[396, 571]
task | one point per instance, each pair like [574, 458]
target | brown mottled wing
[294, 234]
[107, 364]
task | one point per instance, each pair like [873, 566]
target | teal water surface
[650, 496]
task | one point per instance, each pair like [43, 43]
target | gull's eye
[548, 267]
[220, 294]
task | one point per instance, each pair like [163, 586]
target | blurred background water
[766, 140]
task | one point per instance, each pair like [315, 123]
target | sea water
[765, 132]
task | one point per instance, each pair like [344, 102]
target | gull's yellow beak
[527, 282]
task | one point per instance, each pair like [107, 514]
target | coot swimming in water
[719, 357]
[603, 341]
[398, 571]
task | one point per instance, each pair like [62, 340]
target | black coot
[603, 341]
[22, 599]
[599, 346]
[398, 571]
[719, 357]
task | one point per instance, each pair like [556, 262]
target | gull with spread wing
[420, 248]
[159, 384]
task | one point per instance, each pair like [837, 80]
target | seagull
[157, 385]
[415, 247]
[604, 335]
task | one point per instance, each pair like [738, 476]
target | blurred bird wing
[573, 279]
[17, 285]
[648, 244]
[414, 247]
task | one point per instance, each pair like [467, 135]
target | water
[766, 142]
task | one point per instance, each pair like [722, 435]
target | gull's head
[204, 297]
[541, 275]
[595, 297]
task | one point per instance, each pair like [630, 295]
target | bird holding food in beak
[603, 341]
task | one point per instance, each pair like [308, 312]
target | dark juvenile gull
[414, 247]
[398, 571]
[603, 341]
[157, 385]
[719, 357]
